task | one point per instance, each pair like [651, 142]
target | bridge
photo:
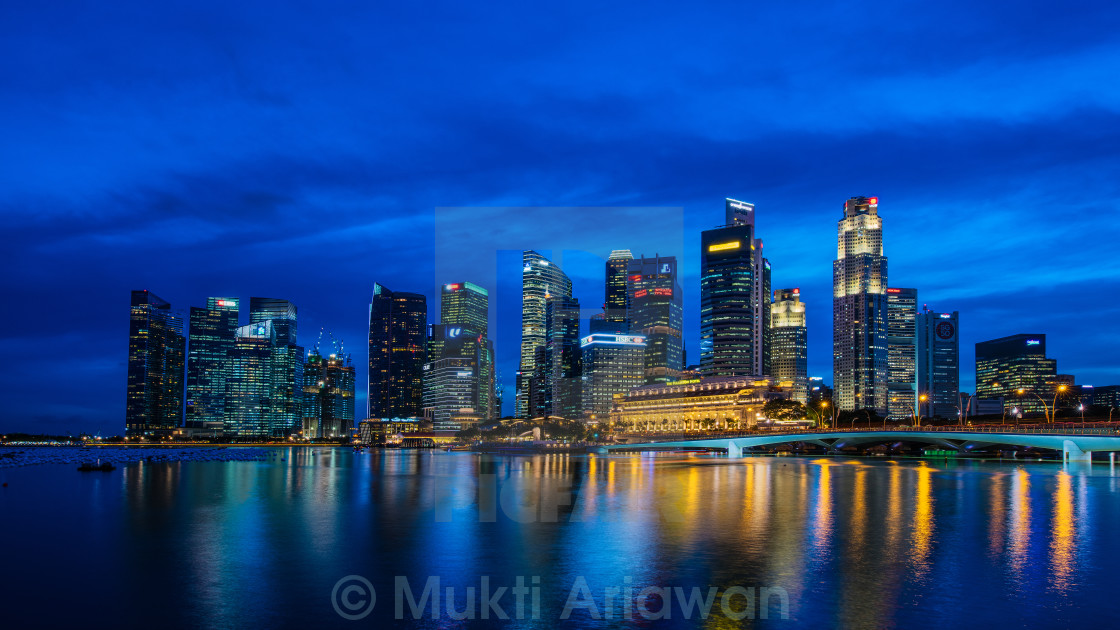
[1077, 443]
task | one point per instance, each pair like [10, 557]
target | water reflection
[865, 543]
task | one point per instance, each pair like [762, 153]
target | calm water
[867, 543]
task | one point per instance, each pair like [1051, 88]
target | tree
[783, 409]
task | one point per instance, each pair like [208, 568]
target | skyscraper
[939, 367]
[286, 399]
[859, 309]
[1008, 364]
[156, 349]
[249, 389]
[328, 395]
[734, 297]
[264, 394]
[540, 280]
[902, 366]
[612, 364]
[460, 340]
[213, 332]
[617, 299]
[656, 314]
[564, 357]
[789, 353]
[398, 324]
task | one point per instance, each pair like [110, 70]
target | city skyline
[215, 161]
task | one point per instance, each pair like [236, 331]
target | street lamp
[918, 416]
[1051, 412]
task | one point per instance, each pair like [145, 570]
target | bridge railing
[1062, 428]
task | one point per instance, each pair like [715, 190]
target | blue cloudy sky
[301, 150]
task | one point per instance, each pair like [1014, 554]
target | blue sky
[301, 150]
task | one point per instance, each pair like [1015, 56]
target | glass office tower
[617, 299]
[656, 314]
[398, 325]
[213, 332]
[460, 340]
[789, 351]
[1008, 364]
[540, 280]
[156, 352]
[563, 358]
[902, 357]
[612, 364]
[328, 395]
[939, 366]
[734, 297]
[859, 309]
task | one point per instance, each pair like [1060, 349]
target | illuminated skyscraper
[902, 348]
[563, 358]
[540, 280]
[1008, 364]
[656, 314]
[939, 366]
[156, 349]
[734, 297]
[264, 393]
[460, 341]
[328, 395]
[249, 390]
[213, 331]
[789, 354]
[398, 325]
[859, 309]
[612, 364]
[617, 299]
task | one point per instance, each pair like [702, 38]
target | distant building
[156, 352]
[328, 395]
[902, 354]
[789, 351]
[459, 374]
[656, 314]
[1006, 365]
[939, 366]
[398, 326]
[734, 297]
[1107, 396]
[249, 390]
[709, 403]
[612, 364]
[818, 391]
[213, 332]
[617, 299]
[859, 309]
[563, 358]
[540, 280]
[264, 393]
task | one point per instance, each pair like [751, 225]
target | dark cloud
[264, 149]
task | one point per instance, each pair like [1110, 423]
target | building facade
[563, 361]
[328, 395]
[1017, 362]
[902, 354]
[541, 279]
[156, 353]
[789, 348]
[460, 344]
[398, 325]
[696, 405]
[656, 313]
[735, 297]
[612, 364]
[859, 309]
[617, 299]
[939, 365]
[213, 332]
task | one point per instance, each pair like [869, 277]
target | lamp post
[1051, 412]
[918, 417]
